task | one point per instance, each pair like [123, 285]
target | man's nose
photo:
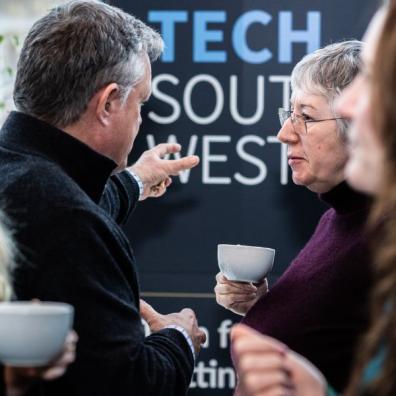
[287, 133]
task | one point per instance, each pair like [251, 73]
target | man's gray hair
[74, 51]
[327, 71]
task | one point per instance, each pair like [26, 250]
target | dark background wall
[222, 52]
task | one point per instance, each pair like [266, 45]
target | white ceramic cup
[245, 263]
[33, 333]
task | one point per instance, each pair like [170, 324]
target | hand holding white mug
[19, 379]
[238, 297]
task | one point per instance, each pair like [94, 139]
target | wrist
[139, 183]
[186, 336]
[15, 391]
[18, 380]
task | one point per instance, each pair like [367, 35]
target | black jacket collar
[89, 169]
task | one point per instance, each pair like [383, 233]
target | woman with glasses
[318, 306]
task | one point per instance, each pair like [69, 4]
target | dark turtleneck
[318, 307]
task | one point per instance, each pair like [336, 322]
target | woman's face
[364, 170]
[317, 154]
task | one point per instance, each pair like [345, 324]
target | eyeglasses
[298, 121]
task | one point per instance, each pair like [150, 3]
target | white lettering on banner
[283, 159]
[251, 159]
[200, 82]
[209, 375]
[218, 89]
[166, 99]
[285, 80]
[234, 101]
[213, 377]
[224, 332]
[207, 158]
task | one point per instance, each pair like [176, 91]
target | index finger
[72, 337]
[164, 149]
[220, 278]
[173, 167]
[147, 311]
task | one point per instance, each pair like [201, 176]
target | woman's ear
[107, 103]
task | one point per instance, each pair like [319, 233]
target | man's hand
[238, 297]
[155, 171]
[185, 318]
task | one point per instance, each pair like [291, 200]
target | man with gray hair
[84, 73]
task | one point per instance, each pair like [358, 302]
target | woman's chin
[299, 180]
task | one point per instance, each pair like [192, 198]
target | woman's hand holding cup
[238, 297]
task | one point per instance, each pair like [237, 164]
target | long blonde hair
[7, 254]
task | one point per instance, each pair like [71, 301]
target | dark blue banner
[216, 90]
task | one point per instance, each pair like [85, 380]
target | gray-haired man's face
[126, 126]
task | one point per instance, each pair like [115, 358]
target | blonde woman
[17, 381]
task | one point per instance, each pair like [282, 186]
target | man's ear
[107, 103]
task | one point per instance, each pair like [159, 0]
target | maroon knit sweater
[318, 307]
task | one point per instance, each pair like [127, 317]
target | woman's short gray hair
[73, 52]
[327, 71]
